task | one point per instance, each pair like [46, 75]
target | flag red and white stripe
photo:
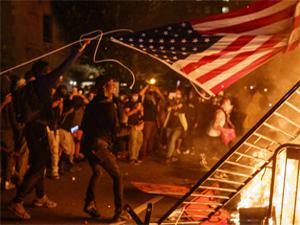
[295, 35]
[248, 37]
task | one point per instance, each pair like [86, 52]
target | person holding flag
[36, 120]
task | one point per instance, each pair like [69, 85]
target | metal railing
[205, 183]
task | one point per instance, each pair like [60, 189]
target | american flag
[215, 52]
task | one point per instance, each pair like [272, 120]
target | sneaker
[55, 176]
[122, 155]
[186, 152]
[91, 209]
[19, 210]
[174, 159]
[120, 216]
[9, 185]
[75, 168]
[168, 160]
[79, 158]
[137, 162]
[44, 201]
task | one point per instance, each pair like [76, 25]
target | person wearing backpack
[36, 116]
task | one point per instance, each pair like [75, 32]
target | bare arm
[6, 101]
[219, 117]
[56, 73]
[85, 99]
[157, 90]
[143, 91]
[134, 110]
[59, 104]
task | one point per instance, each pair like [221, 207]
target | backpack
[26, 103]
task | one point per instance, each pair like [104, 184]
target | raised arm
[157, 90]
[143, 91]
[7, 99]
[53, 76]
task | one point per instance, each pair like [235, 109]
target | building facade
[28, 30]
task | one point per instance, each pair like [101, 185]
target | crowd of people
[42, 121]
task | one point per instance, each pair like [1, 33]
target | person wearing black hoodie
[36, 134]
[100, 127]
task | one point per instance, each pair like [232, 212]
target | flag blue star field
[215, 52]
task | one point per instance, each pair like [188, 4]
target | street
[69, 192]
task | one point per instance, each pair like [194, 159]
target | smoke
[258, 91]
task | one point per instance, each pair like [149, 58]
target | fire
[284, 201]
[286, 206]
[257, 193]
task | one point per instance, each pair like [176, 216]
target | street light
[73, 83]
[152, 81]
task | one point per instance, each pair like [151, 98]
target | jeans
[22, 161]
[135, 143]
[67, 144]
[8, 160]
[149, 133]
[39, 153]
[174, 134]
[53, 137]
[102, 157]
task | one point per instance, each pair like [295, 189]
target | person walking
[100, 127]
[175, 123]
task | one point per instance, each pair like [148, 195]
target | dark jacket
[99, 122]
[42, 88]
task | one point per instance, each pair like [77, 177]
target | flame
[284, 201]
[257, 192]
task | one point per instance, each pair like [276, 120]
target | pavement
[69, 192]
